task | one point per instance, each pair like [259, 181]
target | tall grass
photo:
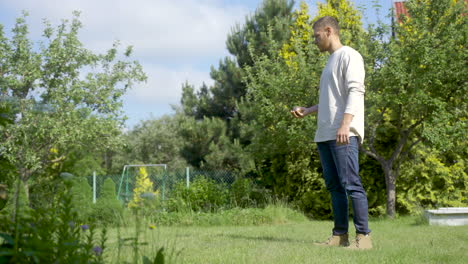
[271, 214]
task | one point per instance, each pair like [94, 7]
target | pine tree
[81, 197]
[108, 205]
[270, 23]
[272, 18]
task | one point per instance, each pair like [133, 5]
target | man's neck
[334, 46]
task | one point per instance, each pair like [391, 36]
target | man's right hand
[299, 111]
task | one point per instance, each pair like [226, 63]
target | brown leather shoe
[361, 242]
[335, 241]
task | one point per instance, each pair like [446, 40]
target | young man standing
[340, 130]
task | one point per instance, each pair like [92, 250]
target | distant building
[399, 10]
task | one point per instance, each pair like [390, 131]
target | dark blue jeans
[340, 165]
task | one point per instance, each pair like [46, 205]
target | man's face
[321, 39]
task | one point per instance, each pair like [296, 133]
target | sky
[176, 41]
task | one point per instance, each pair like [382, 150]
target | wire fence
[163, 181]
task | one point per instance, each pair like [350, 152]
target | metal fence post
[164, 186]
[188, 176]
[94, 186]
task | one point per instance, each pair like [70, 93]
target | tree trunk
[24, 175]
[16, 199]
[390, 181]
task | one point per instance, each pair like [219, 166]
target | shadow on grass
[267, 238]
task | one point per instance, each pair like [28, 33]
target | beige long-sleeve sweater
[341, 91]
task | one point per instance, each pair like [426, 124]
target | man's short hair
[327, 21]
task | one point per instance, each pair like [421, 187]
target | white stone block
[449, 216]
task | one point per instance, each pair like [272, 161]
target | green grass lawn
[395, 241]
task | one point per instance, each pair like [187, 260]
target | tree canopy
[61, 95]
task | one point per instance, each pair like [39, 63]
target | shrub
[3, 195]
[108, 208]
[23, 202]
[51, 235]
[244, 193]
[81, 197]
[144, 196]
[240, 192]
[204, 195]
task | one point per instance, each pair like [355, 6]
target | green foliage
[82, 163]
[51, 235]
[3, 195]
[21, 206]
[158, 259]
[244, 193]
[144, 195]
[204, 195]
[63, 96]
[108, 209]
[82, 202]
[44, 189]
[272, 17]
[153, 140]
[433, 179]
[282, 147]
[208, 146]
[240, 192]
[415, 89]
[301, 34]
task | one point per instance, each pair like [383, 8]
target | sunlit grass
[402, 240]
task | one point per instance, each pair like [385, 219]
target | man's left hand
[342, 135]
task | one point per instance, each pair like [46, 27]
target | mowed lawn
[395, 241]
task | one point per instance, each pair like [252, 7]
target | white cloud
[159, 29]
[164, 86]
[174, 40]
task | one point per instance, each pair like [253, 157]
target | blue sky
[174, 40]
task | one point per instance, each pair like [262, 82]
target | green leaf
[7, 238]
[146, 260]
[159, 257]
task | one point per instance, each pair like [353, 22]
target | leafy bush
[240, 192]
[3, 195]
[23, 202]
[204, 195]
[81, 198]
[433, 179]
[51, 235]
[108, 208]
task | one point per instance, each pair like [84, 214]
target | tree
[280, 145]
[270, 21]
[152, 141]
[200, 135]
[416, 93]
[63, 95]
[220, 100]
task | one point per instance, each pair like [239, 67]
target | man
[340, 129]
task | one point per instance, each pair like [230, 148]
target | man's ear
[329, 31]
